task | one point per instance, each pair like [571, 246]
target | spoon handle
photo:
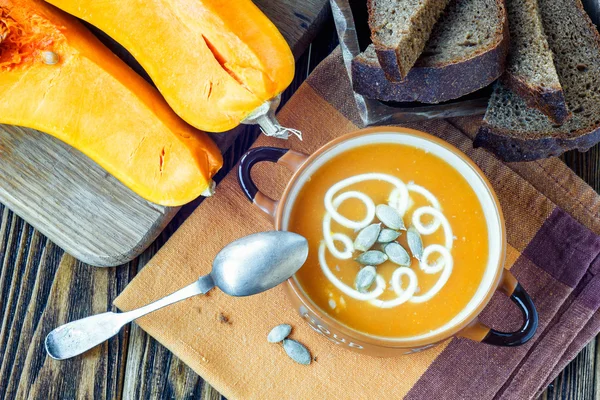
[201, 286]
[82, 335]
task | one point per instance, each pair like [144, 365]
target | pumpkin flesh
[214, 61]
[94, 102]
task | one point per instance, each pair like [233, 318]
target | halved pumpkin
[214, 61]
[56, 77]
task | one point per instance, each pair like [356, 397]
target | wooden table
[41, 287]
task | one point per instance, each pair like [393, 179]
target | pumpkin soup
[398, 240]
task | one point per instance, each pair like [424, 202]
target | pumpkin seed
[297, 351]
[415, 243]
[365, 278]
[397, 254]
[366, 237]
[390, 217]
[387, 235]
[50, 57]
[372, 257]
[279, 333]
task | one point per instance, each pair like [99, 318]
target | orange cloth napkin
[538, 198]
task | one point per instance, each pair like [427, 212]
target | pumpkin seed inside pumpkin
[365, 278]
[390, 217]
[397, 254]
[297, 351]
[367, 237]
[372, 257]
[415, 243]
[50, 57]
[388, 235]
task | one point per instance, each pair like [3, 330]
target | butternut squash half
[214, 61]
[56, 77]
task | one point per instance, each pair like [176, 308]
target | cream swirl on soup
[400, 198]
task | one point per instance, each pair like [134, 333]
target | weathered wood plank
[39, 287]
[298, 21]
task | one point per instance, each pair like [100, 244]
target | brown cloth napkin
[552, 229]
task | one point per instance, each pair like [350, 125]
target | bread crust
[438, 83]
[511, 148]
[392, 69]
[550, 101]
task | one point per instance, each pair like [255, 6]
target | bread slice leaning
[516, 132]
[399, 31]
[530, 69]
[466, 51]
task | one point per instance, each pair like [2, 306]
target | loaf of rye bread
[399, 31]
[465, 52]
[530, 70]
[516, 132]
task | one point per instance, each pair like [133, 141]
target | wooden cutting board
[79, 206]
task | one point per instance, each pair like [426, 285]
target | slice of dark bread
[516, 132]
[466, 51]
[530, 68]
[399, 31]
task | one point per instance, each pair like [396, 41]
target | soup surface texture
[406, 298]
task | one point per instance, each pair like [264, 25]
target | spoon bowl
[233, 274]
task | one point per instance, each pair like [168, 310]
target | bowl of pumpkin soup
[406, 236]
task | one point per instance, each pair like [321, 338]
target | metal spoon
[248, 266]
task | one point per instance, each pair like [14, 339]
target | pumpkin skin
[214, 61]
[94, 102]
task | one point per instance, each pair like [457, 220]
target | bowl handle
[484, 334]
[291, 159]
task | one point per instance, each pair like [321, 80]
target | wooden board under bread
[79, 206]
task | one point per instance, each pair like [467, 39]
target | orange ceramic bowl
[496, 277]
